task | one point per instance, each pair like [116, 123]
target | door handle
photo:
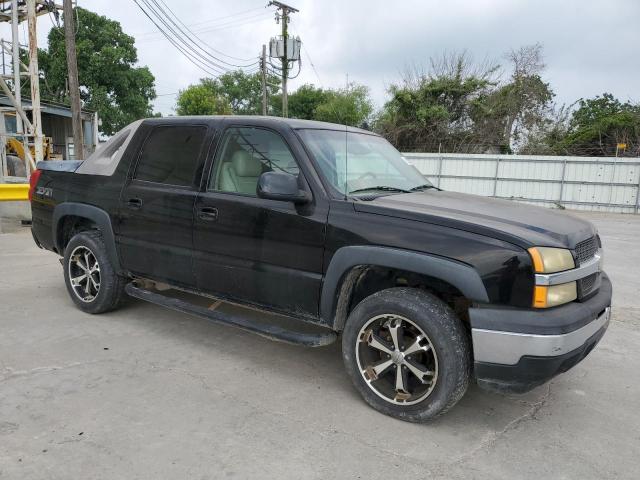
[134, 203]
[209, 214]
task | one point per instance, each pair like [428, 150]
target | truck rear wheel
[91, 281]
[407, 354]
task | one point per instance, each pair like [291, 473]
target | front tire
[407, 354]
[92, 283]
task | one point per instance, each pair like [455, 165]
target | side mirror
[281, 186]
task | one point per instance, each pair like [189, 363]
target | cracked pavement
[147, 393]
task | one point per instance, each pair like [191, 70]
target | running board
[317, 337]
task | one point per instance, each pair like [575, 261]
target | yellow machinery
[15, 151]
[15, 147]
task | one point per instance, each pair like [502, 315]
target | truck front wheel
[91, 281]
[407, 353]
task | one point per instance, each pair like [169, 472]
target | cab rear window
[170, 155]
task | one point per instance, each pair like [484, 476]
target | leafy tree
[544, 137]
[461, 106]
[350, 106]
[436, 110]
[109, 81]
[201, 100]
[305, 100]
[598, 125]
[234, 92]
[524, 102]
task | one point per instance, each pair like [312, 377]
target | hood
[507, 220]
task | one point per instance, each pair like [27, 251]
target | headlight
[551, 260]
[551, 296]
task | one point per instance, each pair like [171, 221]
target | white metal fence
[583, 183]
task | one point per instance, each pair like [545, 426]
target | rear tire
[407, 354]
[91, 280]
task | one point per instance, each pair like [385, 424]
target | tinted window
[170, 155]
[245, 155]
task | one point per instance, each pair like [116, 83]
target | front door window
[247, 153]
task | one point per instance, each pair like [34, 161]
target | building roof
[51, 108]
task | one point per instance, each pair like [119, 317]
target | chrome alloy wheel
[396, 359]
[84, 274]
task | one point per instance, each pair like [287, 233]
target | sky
[590, 47]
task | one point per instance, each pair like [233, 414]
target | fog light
[545, 297]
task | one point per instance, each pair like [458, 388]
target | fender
[97, 216]
[346, 260]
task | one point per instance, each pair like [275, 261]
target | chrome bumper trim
[507, 348]
[584, 270]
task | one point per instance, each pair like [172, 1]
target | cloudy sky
[590, 47]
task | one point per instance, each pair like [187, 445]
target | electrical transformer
[276, 48]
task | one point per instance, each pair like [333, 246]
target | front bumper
[516, 350]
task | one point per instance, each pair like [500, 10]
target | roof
[294, 123]
[51, 108]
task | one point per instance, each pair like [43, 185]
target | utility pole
[35, 80]
[285, 10]
[263, 69]
[15, 54]
[74, 86]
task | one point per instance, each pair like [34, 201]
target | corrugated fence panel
[584, 183]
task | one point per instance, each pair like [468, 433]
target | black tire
[445, 334]
[110, 293]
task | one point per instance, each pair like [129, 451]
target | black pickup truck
[328, 231]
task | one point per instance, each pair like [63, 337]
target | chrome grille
[586, 250]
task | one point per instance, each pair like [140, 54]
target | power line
[193, 59]
[235, 25]
[313, 67]
[306, 51]
[201, 41]
[187, 41]
[211, 20]
[178, 40]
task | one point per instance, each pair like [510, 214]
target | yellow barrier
[14, 192]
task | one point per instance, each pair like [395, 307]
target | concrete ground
[146, 393]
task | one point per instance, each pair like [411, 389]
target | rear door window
[171, 154]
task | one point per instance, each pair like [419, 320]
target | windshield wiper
[426, 186]
[383, 188]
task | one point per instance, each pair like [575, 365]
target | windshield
[358, 163]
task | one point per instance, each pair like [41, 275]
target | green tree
[234, 92]
[598, 125]
[201, 100]
[460, 106]
[435, 111]
[523, 104]
[109, 81]
[305, 100]
[349, 106]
